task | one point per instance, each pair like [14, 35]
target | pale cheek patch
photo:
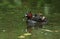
[25, 15]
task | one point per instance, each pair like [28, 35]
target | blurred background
[12, 12]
